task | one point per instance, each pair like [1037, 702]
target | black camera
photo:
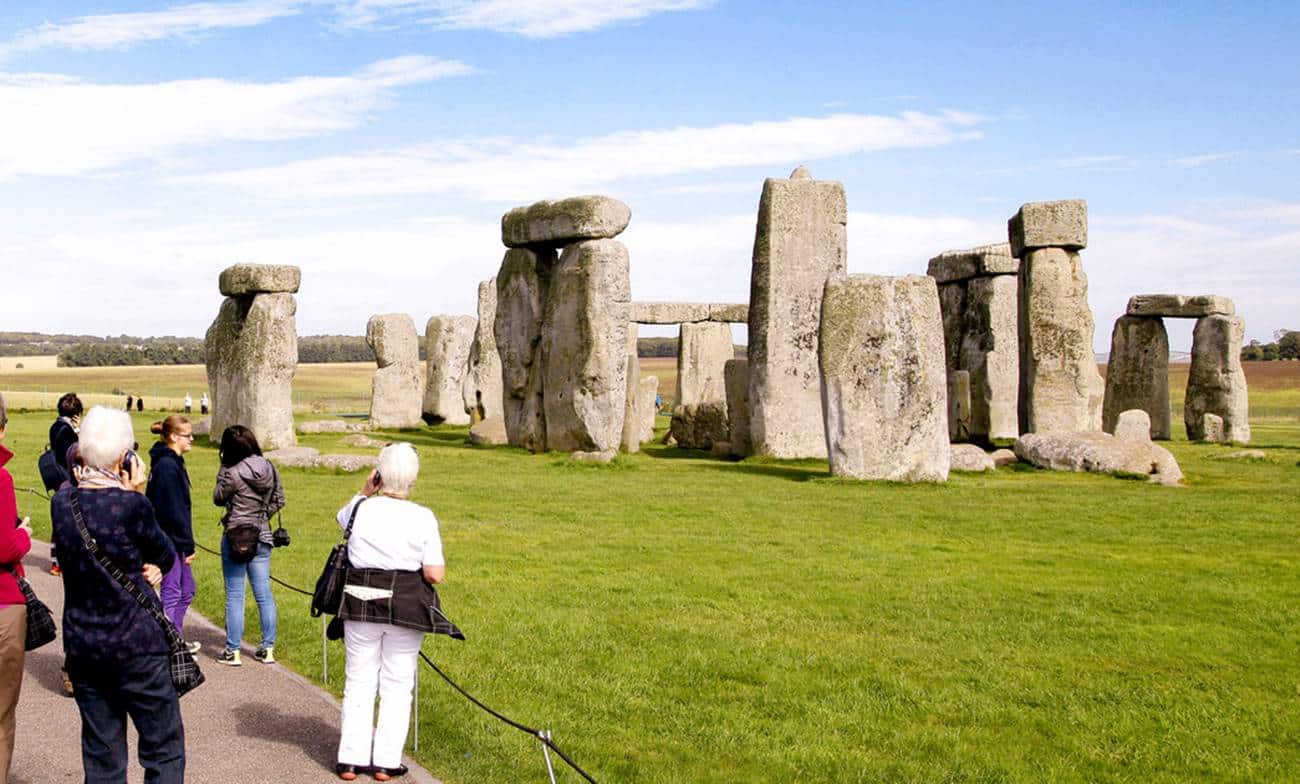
[280, 537]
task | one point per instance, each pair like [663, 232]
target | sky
[147, 145]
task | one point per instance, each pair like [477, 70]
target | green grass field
[678, 619]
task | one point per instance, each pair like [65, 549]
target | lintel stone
[563, 222]
[957, 265]
[1179, 306]
[688, 312]
[1049, 224]
[243, 280]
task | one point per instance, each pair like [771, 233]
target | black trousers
[142, 689]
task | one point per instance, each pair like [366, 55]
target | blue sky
[144, 146]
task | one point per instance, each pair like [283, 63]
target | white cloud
[59, 126]
[517, 171]
[1099, 163]
[118, 31]
[530, 18]
[1193, 161]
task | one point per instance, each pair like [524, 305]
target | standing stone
[959, 419]
[584, 347]
[736, 374]
[647, 391]
[883, 378]
[799, 244]
[1216, 383]
[1137, 374]
[700, 425]
[1133, 425]
[702, 352]
[632, 419]
[952, 307]
[990, 352]
[522, 286]
[252, 353]
[397, 389]
[447, 342]
[482, 388]
[1212, 429]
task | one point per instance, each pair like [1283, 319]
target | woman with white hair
[389, 604]
[117, 654]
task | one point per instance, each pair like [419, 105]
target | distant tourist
[203, 404]
[15, 542]
[169, 492]
[189, 403]
[130, 402]
[396, 557]
[248, 486]
[117, 653]
[139, 404]
[63, 435]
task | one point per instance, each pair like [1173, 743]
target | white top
[391, 533]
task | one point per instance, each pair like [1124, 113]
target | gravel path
[254, 724]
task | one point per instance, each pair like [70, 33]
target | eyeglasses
[190, 436]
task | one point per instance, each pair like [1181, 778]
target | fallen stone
[1179, 306]
[968, 457]
[294, 457]
[1244, 454]
[799, 244]
[328, 426]
[392, 337]
[884, 388]
[702, 353]
[1137, 374]
[736, 376]
[1133, 425]
[522, 285]
[348, 463]
[559, 223]
[1003, 457]
[700, 426]
[1212, 429]
[603, 456]
[1049, 224]
[447, 343]
[482, 391]
[1100, 453]
[489, 432]
[242, 280]
[1216, 382]
[364, 441]
[584, 347]
[252, 354]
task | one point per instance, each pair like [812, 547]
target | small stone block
[1049, 224]
[1179, 306]
[246, 279]
[563, 222]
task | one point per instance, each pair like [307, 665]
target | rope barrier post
[324, 652]
[415, 706]
[544, 736]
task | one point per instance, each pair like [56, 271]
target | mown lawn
[678, 619]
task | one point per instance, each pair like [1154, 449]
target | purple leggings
[177, 593]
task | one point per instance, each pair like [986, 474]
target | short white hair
[105, 434]
[398, 468]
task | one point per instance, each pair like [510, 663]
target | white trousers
[381, 658]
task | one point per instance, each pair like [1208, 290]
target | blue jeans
[140, 687]
[258, 572]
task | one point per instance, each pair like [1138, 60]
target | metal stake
[324, 653]
[544, 736]
[416, 707]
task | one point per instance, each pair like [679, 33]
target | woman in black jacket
[169, 492]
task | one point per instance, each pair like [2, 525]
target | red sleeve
[14, 544]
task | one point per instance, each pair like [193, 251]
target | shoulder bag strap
[352, 518]
[173, 637]
[266, 499]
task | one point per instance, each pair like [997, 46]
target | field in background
[29, 363]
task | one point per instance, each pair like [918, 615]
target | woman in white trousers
[389, 604]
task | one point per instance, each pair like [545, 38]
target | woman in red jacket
[15, 541]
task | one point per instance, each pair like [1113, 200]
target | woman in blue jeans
[250, 490]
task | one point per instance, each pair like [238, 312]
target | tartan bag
[328, 596]
[185, 672]
[41, 629]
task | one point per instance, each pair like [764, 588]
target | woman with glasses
[169, 492]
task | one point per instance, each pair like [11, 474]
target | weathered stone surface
[1216, 383]
[1003, 457]
[1060, 387]
[396, 395]
[489, 432]
[799, 244]
[252, 353]
[883, 379]
[1179, 306]
[294, 456]
[688, 312]
[1133, 425]
[242, 280]
[997, 259]
[730, 312]
[990, 352]
[348, 463]
[328, 426]
[699, 426]
[1212, 429]
[202, 427]
[447, 343]
[522, 286]
[559, 223]
[1137, 375]
[584, 347]
[392, 337]
[647, 391]
[702, 352]
[603, 456]
[630, 438]
[736, 376]
[364, 441]
[959, 405]
[968, 457]
[952, 308]
[1049, 224]
[959, 265]
[1099, 453]
[482, 388]
[721, 449]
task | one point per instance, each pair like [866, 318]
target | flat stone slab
[968, 457]
[955, 265]
[1100, 453]
[1179, 306]
[1049, 224]
[566, 221]
[243, 280]
[329, 426]
[307, 457]
[688, 312]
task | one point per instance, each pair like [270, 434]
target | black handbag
[328, 596]
[41, 629]
[185, 672]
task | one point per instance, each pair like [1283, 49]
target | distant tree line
[105, 352]
[1285, 345]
